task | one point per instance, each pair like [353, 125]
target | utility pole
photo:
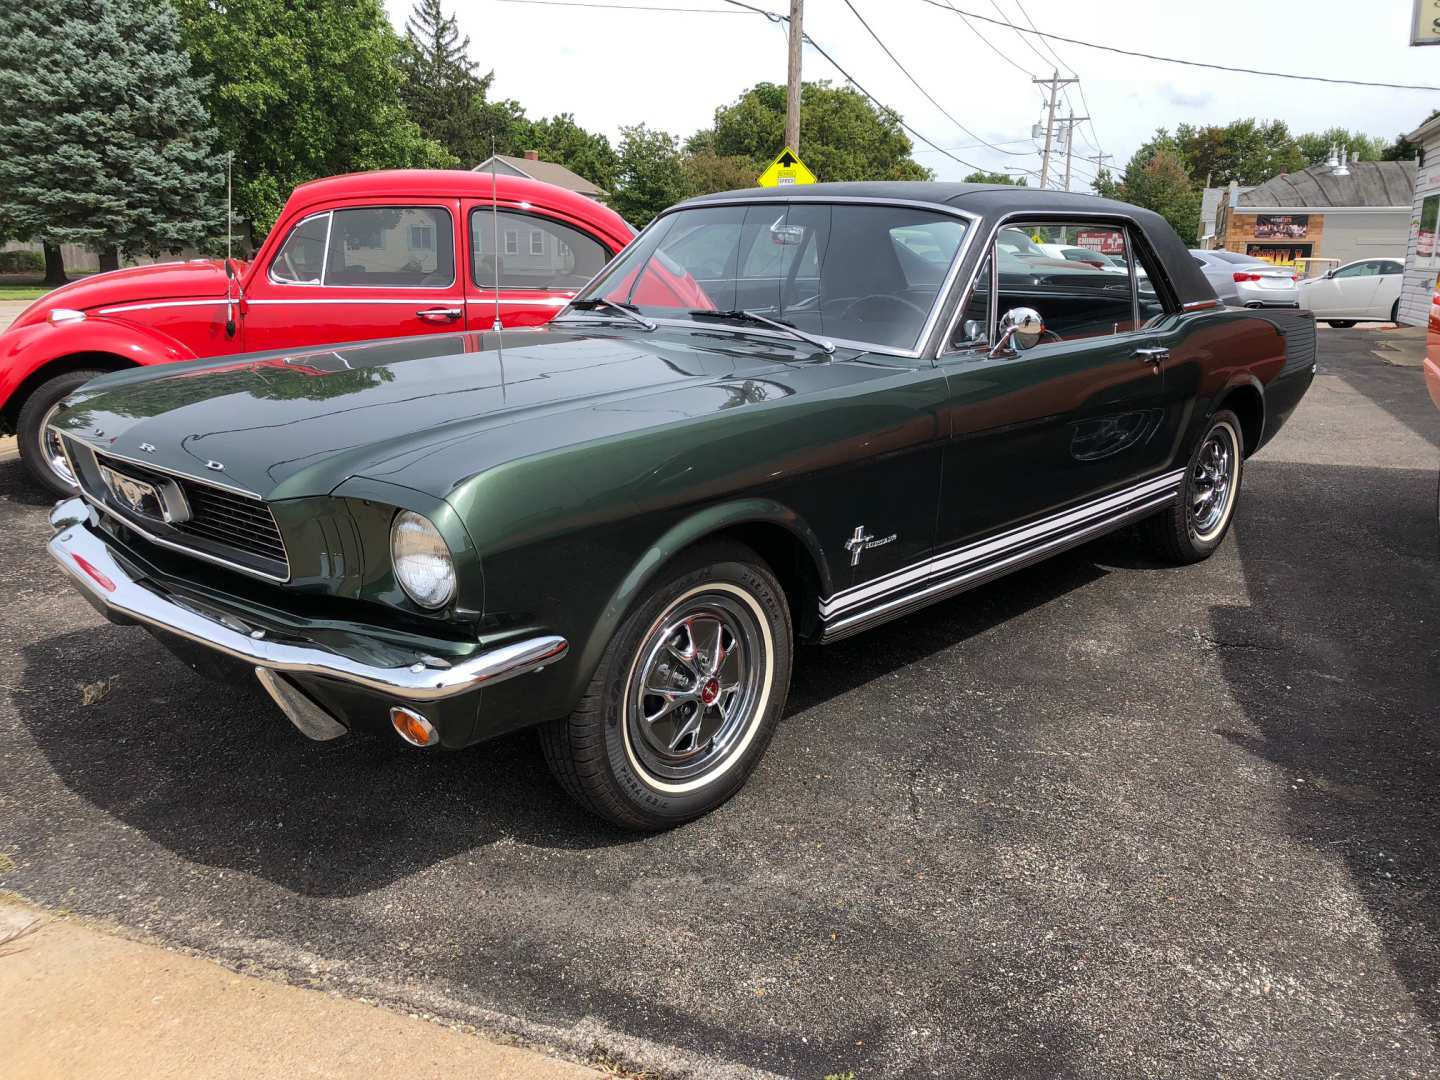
[792, 78]
[1070, 143]
[1054, 83]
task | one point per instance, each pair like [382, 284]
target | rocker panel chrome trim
[958, 558]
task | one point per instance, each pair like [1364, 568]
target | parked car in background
[1367, 290]
[1084, 255]
[1245, 281]
[368, 255]
[780, 415]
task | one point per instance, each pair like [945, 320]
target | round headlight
[421, 560]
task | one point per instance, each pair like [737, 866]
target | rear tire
[1192, 527]
[41, 456]
[686, 697]
[1340, 324]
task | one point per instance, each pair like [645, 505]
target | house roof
[1370, 183]
[547, 171]
[1425, 130]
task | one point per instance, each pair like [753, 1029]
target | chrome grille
[224, 526]
[231, 519]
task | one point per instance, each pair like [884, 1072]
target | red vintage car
[351, 258]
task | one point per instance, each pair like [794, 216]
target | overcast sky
[671, 69]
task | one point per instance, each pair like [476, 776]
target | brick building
[1316, 214]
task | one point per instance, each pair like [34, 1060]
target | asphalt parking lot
[1101, 818]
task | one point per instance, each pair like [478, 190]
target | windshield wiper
[751, 316]
[630, 311]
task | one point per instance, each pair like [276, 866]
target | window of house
[558, 256]
[407, 247]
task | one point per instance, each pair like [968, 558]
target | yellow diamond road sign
[786, 169]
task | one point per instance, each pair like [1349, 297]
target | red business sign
[1105, 241]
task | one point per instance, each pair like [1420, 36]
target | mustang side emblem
[147, 448]
[861, 542]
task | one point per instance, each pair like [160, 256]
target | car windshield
[862, 273]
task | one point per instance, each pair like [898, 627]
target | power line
[1085, 105]
[628, 7]
[885, 108]
[989, 44]
[947, 6]
[906, 72]
[1023, 39]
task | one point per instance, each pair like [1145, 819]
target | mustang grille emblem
[162, 501]
[861, 542]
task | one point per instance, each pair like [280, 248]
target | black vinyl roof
[992, 201]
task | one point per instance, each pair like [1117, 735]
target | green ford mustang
[774, 417]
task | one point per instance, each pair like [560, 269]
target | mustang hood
[295, 424]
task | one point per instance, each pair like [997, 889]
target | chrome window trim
[1124, 220]
[325, 257]
[919, 350]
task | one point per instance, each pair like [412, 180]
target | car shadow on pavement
[220, 777]
[1336, 663]
[20, 488]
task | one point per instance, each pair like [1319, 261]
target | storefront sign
[1105, 241]
[1279, 253]
[1425, 29]
[1281, 226]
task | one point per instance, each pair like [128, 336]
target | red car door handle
[1152, 356]
[438, 314]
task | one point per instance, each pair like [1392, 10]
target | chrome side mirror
[1020, 328]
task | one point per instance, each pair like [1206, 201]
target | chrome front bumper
[86, 558]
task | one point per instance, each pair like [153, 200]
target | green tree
[561, 140]
[104, 139]
[301, 89]
[1246, 151]
[1106, 185]
[650, 175]
[1402, 149]
[842, 135]
[1315, 145]
[980, 176]
[440, 89]
[706, 172]
[1158, 181]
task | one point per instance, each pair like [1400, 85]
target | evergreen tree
[983, 177]
[441, 91]
[302, 89]
[104, 139]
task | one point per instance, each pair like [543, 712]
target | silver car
[1245, 281]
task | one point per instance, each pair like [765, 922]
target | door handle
[1152, 356]
[439, 314]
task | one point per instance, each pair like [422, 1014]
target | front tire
[39, 451]
[686, 697]
[1192, 527]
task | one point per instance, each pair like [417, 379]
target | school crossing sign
[786, 169]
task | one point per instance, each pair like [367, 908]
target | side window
[1355, 270]
[972, 327]
[1152, 299]
[1075, 300]
[301, 259]
[553, 256]
[410, 247]
[1391, 268]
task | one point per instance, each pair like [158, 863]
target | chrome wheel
[1212, 482]
[54, 454]
[696, 686]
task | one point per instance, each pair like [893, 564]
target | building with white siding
[1422, 259]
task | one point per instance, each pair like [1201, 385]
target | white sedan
[1364, 291]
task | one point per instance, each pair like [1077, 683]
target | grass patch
[23, 292]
